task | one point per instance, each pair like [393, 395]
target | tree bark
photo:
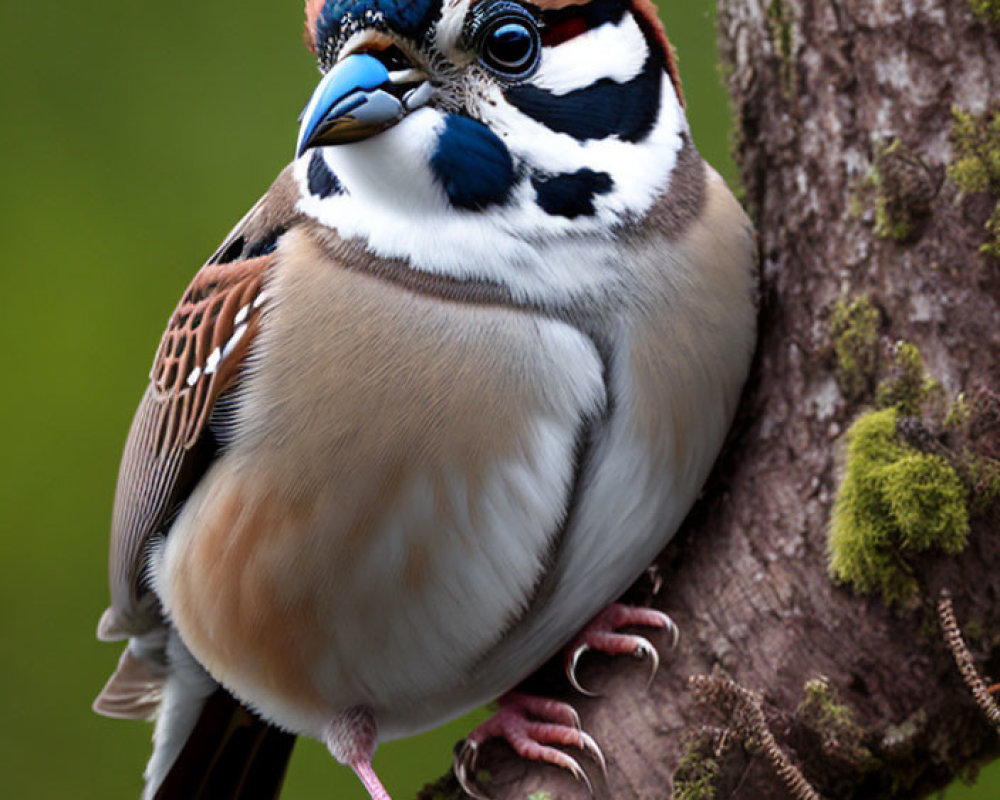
[845, 120]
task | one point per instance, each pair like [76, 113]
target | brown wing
[169, 446]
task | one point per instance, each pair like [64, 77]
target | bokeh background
[134, 134]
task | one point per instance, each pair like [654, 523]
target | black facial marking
[265, 246]
[231, 252]
[240, 250]
[571, 194]
[322, 182]
[605, 108]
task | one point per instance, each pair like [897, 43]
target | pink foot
[530, 725]
[602, 636]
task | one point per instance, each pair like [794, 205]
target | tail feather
[232, 754]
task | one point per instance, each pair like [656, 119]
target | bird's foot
[531, 725]
[602, 636]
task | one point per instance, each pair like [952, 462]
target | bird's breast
[398, 473]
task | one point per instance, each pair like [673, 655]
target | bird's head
[531, 119]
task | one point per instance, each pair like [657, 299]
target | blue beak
[358, 98]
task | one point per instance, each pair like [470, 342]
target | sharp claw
[590, 746]
[646, 650]
[577, 772]
[571, 667]
[464, 763]
[675, 633]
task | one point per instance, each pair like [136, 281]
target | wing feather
[199, 359]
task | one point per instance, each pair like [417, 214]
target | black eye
[507, 38]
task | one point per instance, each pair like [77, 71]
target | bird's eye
[508, 41]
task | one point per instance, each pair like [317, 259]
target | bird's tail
[206, 746]
[231, 754]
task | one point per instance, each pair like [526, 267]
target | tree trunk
[872, 212]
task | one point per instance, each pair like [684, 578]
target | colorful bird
[435, 402]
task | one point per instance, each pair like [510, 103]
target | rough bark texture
[823, 90]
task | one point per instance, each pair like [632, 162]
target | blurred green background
[134, 135]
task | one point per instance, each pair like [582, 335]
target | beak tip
[351, 103]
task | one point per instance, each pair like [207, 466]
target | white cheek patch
[640, 171]
[613, 52]
[396, 206]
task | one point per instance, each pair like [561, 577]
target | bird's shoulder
[199, 359]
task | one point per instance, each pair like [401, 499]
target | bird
[435, 402]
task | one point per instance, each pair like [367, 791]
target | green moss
[987, 9]
[696, 773]
[542, 795]
[888, 225]
[976, 141]
[894, 501]
[841, 738]
[854, 330]
[907, 386]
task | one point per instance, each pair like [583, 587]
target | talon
[577, 772]
[571, 667]
[535, 727]
[674, 632]
[590, 746]
[465, 763]
[603, 635]
[646, 650]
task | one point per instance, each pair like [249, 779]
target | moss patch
[894, 501]
[826, 717]
[987, 9]
[696, 774]
[542, 795]
[854, 329]
[907, 386]
[976, 141]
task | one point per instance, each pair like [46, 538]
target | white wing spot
[241, 315]
[213, 361]
[192, 379]
[233, 341]
[261, 299]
